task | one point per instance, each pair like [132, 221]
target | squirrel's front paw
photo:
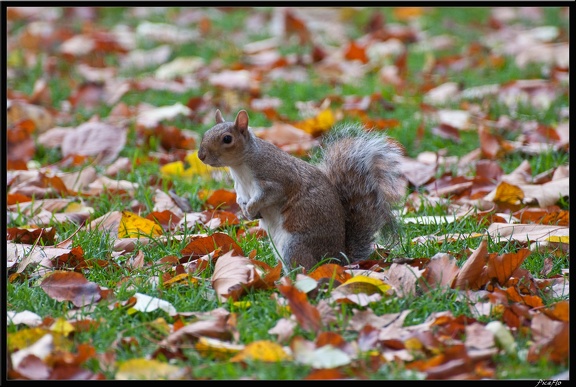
[250, 213]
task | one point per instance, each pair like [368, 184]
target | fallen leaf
[525, 233]
[217, 348]
[231, 272]
[502, 266]
[95, 139]
[327, 356]
[145, 303]
[134, 226]
[148, 369]
[440, 271]
[470, 274]
[71, 286]
[262, 350]
[306, 314]
[26, 317]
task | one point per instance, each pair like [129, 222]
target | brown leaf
[33, 368]
[525, 233]
[71, 286]
[306, 314]
[30, 237]
[447, 132]
[231, 273]
[288, 138]
[166, 219]
[95, 139]
[551, 340]
[440, 271]
[19, 111]
[326, 374]
[403, 278]
[295, 26]
[470, 275]
[492, 145]
[224, 218]
[214, 324]
[73, 260]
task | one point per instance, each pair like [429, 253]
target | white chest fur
[244, 183]
[272, 221]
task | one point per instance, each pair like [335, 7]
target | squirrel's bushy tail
[364, 168]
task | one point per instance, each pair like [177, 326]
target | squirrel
[334, 209]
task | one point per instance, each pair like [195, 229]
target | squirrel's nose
[201, 154]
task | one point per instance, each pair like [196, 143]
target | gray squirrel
[332, 210]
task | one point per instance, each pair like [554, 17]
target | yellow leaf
[319, 124]
[142, 369]
[181, 279]
[219, 349]
[134, 226]
[197, 167]
[413, 344]
[242, 304]
[172, 169]
[407, 13]
[26, 337]
[559, 239]
[262, 350]
[363, 284]
[508, 193]
[62, 326]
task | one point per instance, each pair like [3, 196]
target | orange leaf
[330, 271]
[200, 246]
[222, 199]
[356, 52]
[306, 314]
[502, 266]
[558, 311]
[15, 198]
[407, 13]
[533, 301]
[508, 194]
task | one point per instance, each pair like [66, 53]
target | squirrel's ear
[219, 118]
[241, 122]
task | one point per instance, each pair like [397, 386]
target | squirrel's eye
[227, 139]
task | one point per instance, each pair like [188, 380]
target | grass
[254, 322]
